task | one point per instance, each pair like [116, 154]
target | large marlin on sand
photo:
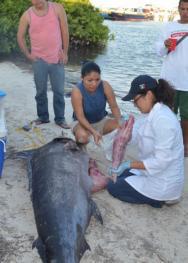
[61, 201]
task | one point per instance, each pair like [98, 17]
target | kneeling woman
[89, 99]
[158, 176]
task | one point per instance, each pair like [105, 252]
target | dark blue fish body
[61, 201]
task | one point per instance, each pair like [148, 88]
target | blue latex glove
[123, 166]
[125, 117]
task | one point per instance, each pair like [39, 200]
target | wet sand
[131, 233]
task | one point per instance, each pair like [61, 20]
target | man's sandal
[39, 122]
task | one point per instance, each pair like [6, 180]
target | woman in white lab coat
[158, 176]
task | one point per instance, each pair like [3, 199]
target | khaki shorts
[98, 126]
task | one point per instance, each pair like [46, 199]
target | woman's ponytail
[165, 93]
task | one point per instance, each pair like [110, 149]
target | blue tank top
[94, 104]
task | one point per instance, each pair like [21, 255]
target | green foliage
[85, 23]
[10, 12]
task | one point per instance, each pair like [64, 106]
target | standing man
[175, 64]
[49, 41]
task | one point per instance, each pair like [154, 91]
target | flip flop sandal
[39, 122]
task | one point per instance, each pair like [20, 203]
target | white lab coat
[160, 144]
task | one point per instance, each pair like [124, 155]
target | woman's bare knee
[82, 137]
[110, 125]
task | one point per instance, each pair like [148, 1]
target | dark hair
[186, 1]
[89, 67]
[163, 92]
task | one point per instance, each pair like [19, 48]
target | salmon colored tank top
[45, 35]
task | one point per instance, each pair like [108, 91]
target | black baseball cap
[140, 83]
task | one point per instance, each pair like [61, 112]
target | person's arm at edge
[64, 30]
[76, 99]
[22, 28]
[111, 99]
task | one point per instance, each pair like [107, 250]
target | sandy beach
[130, 234]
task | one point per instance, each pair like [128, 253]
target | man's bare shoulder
[58, 7]
[25, 16]
[58, 4]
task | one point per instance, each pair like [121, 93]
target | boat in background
[131, 14]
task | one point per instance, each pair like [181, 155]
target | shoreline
[138, 233]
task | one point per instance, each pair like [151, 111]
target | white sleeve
[160, 48]
[164, 134]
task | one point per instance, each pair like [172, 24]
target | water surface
[131, 53]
